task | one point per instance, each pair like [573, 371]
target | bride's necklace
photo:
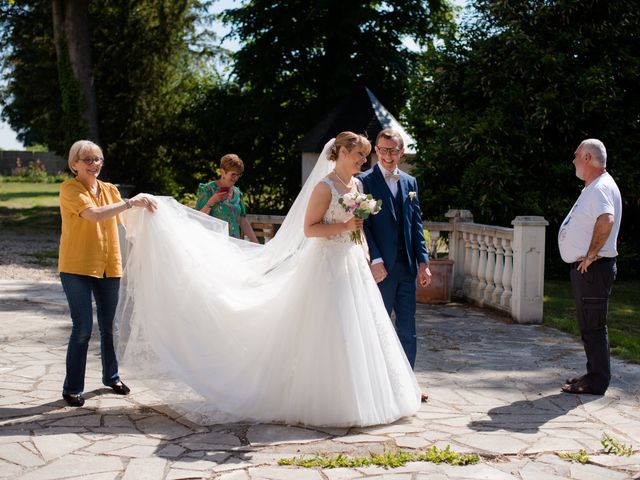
[349, 185]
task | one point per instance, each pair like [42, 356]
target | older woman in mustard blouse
[90, 264]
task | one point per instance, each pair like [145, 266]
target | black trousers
[591, 291]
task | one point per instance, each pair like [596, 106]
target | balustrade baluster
[507, 281]
[499, 271]
[482, 265]
[489, 271]
[474, 265]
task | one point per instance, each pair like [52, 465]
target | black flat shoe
[120, 388]
[74, 399]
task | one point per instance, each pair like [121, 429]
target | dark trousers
[591, 291]
[398, 291]
[78, 289]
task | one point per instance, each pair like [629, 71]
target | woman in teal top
[223, 200]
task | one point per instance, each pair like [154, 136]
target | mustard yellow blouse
[88, 248]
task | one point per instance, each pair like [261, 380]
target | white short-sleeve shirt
[599, 197]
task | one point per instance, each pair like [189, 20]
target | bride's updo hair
[348, 140]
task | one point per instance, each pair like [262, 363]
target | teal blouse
[228, 210]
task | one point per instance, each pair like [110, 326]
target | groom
[395, 237]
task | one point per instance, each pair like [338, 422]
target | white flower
[412, 195]
[371, 205]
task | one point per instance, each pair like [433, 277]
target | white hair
[597, 150]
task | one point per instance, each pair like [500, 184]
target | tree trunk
[71, 36]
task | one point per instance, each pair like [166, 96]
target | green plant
[387, 459]
[580, 456]
[615, 447]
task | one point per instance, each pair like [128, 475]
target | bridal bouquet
[361, 206]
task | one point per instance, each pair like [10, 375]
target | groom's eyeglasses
[389, 150]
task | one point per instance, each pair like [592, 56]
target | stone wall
[53, 163]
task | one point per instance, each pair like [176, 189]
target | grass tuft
[387, 459]
[580, 456]
[615, 447]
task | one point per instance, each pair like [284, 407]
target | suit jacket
[381, 230]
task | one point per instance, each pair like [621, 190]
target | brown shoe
[424, 397]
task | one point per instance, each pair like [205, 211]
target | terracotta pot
[439, 290]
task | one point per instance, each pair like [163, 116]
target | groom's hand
[424, 275]
[378, 271]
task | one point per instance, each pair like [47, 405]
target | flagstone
[278, 434]
[284, 473]
[341, 473]
[145, 469]
[411, 442]
[59, 445]
[503, 444]
[75, 466]
[362, 438]
[180, 474]
[162, 427]
[80, 420]
[594, 472]
[239, 475]
[9, 470]
[17, 453]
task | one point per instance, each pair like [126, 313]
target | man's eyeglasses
[389, 150]
[92, 160]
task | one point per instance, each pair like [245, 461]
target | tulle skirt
[224, 335]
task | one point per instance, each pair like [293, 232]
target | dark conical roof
[359, 112]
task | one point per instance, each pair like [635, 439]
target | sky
[8, 140]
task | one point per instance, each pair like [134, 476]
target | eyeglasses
[236, 175]
[92, 160]
[389, 150]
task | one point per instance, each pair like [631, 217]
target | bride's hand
[354, 223]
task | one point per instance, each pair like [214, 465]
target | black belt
[598, 260]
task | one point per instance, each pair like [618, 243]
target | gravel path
[30, 256]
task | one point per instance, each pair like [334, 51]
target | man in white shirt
[587, 240]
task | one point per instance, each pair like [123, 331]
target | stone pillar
[528, 269]
[457, 247]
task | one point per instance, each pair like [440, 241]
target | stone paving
[494, 390]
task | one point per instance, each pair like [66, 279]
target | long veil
[193, 297]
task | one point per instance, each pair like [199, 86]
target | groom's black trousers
[591, 291]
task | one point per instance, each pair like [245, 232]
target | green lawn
[624, 315]
[29, 207]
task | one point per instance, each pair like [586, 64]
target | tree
[75, 71]
[499, 109]
[142, 53]
[299, 58]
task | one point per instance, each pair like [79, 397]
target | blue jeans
[78, 289]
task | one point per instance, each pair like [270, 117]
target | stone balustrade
[496, 267]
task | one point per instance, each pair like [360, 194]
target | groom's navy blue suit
[395, 235]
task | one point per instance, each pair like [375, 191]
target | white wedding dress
[294, 331]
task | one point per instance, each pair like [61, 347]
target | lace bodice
[336, 213]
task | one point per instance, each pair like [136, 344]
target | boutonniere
[412, 195]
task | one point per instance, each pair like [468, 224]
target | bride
[294, 331]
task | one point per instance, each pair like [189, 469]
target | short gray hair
[597, 150]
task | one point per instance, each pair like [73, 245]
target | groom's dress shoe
[74, 399]
[120, 388]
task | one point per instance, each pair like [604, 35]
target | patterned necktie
[391, 176]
